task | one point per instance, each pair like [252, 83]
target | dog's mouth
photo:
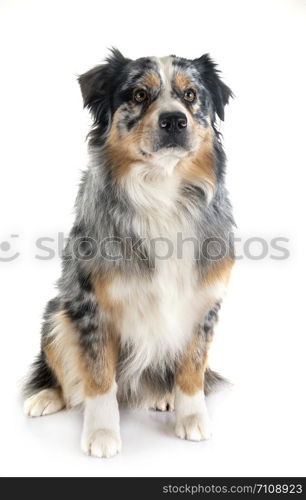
[171, 147]
[170, 150]
[172, 143]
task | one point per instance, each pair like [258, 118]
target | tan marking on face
[148, 122]
[190, 374]
[199, 166]
[151, 80]
[182, 82]
[123, 148]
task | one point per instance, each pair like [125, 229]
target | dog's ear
[220, 93]
[96, 87]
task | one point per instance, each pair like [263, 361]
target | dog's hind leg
[51, 383]
[164, 403]
[44, 394]
[212, 379]
[44, 402]
[42, 388]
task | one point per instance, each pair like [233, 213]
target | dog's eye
[189, 95]
[140, 95]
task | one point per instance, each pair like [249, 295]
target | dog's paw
[193, 427]
[165, 403]
[44, 402]
[101, 443]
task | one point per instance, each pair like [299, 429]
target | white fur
[101, 435]
[153, 187]
[44, 402]
[192, 419]
[167, 72]
[166, 403]
[159, 314]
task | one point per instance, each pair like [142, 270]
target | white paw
[101, 443]
[193, 427]
[44, 402]
[164, 404]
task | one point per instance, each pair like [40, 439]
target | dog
[149, 256]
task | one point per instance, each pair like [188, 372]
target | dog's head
[157, 110]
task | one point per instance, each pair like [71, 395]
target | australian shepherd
[149, 256]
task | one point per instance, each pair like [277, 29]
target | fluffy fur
[149, 255]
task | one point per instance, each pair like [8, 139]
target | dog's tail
[213, 380]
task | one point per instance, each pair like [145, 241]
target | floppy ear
[220, 93]
[96, 86]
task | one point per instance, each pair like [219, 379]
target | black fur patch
[41, 376]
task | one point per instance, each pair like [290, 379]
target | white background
[258, 425]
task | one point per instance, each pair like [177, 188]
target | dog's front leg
[192, 419]
[101, 433]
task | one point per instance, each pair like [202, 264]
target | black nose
[173, 122]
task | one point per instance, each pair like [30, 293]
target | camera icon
[6, 250]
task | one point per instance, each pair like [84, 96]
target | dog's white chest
[157, 313]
